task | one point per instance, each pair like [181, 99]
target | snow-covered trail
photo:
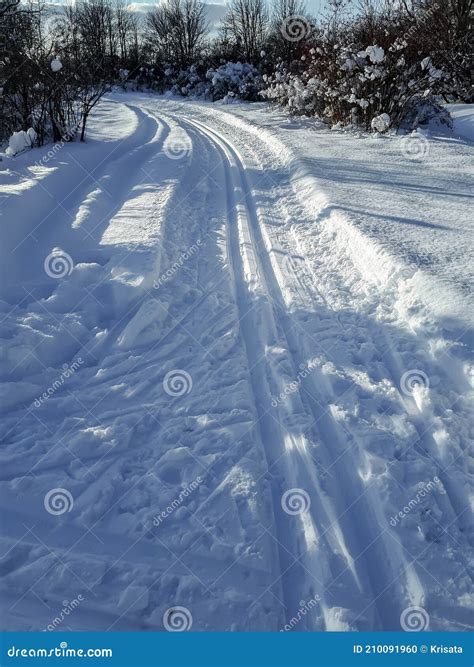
[259, 391]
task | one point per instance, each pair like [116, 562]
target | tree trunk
[84, 121]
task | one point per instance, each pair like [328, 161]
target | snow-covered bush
[56, 65]
[381, 123]
[229, 81]
[366, 86]
[234, 80]
[189, 82]
[21, 141]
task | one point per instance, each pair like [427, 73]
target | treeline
[377, 64]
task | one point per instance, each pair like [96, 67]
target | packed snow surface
[235, 375]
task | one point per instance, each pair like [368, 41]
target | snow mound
[21, 141]
[381, 123]
[56, 65]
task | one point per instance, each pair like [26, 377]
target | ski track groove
[250, 229]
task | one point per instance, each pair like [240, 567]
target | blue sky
[216, 8]
[314, 6]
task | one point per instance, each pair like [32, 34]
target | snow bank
[20, 141]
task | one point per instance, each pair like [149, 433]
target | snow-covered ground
[235, 375]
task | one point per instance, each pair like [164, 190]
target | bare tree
[95, 20]
[176, 31]
[22, 63]
[291, 28]
[246, 24]
[92, 87]
[125, 24]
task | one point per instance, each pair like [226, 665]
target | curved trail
[207, 253]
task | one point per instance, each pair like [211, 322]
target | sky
[313, 6]
[216, 8]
